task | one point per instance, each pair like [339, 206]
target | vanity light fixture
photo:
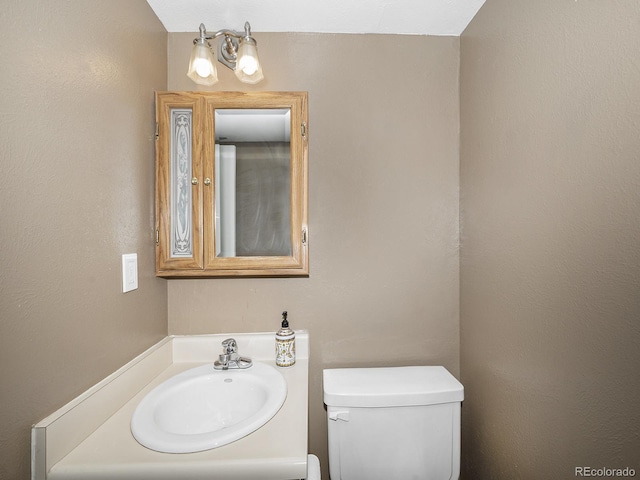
[237, 50]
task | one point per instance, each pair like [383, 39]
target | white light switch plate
[129, 272]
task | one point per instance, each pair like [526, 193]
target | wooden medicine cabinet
[231, 184]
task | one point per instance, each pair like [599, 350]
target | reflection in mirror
[253, 182]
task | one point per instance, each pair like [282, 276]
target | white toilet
[393, 423]
[313, 468]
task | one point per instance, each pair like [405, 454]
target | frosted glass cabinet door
[232, 184]
[178, 189]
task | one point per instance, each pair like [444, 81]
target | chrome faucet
[229, 357]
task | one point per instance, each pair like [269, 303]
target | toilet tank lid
[390, 386]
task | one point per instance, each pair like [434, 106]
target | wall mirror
[232, 184]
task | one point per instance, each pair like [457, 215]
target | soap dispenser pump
[285, 344]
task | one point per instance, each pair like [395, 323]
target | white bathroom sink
[204, 408]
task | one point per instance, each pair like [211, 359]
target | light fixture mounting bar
[226, 32]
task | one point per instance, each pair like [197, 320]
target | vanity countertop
[277, 451]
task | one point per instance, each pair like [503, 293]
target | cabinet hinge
[157, 130]
[303, 130]
[304, 235]
[157, 237]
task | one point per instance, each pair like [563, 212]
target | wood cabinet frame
[202, 261]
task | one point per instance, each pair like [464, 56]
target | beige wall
[550, 197]
[383, 288]
[550, 234]
[76, 192]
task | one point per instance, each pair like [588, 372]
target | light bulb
[202, 70]
[248, 68]
[248, 64]
[202, 67]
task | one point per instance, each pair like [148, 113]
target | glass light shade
[248, 68]
[202, 68]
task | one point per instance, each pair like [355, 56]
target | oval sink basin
[204, 408]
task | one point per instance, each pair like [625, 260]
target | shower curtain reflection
[253, 199]
[263, 199]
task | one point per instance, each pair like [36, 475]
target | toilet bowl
[313, 468]
[393, 422]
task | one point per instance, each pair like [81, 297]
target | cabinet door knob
[207, 181]
[194, 181]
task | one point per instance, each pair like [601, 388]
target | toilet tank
[393, 423]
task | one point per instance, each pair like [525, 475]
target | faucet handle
[230, 346]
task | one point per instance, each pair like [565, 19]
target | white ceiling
[407, 17]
